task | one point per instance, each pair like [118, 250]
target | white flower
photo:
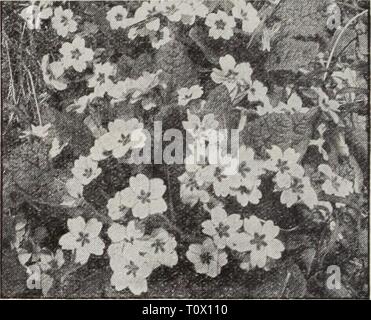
[101, 81]
[75, 54]
[263, 242]
[248, 166]
[300, 190]
[334, 184]
[81, 103]
[284, 164]
[201, 130]
[121, 89]
[141, 90]
[247, 191]
[294, 104]
[116, 207]
[144, 196]
[49, 260]
[147, 10]
[160, 249]
[125, 240]
[75, 193]
[62, 21]
[329, 107]
[248, 14]
[53, 73]
[221, 227]
[162, 37]
[124, 136]
[191, 9]
[221, 25]
[233, 76]
[257, 92]
[320, 141]
[170, 9]
[33, 16]
[132, 274]
[85, 170]
[102, 148]
[56, 148]
[37, 131]
[190, 191]
[185, 95]
[224, 176]
[207, 258]
[116, 17]
[83, 238]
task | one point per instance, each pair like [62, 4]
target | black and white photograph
[185, 149]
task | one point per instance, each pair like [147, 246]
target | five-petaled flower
[262, 241]
[248, 14]
[33, 15]
[85, 170]
[101, 80]
[207, 258]
[53, 73]
[334, 184]
[300, 190]
[285, 164]
[221, 227]
[117, 17]
[125, 239]
[234, 76]
[131, 272]
[221, 25]
[83, 238]
[185, 95]
[75, 54]
[144, 196]
[190, 191]
[160, 249]
[125, 135]
[62, 21]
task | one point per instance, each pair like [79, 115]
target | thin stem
[349, 23]
[34, 94]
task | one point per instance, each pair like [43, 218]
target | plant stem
[349, 23]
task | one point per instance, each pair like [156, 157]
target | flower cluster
[251, 236]
[134, 255]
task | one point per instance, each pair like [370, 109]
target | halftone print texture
[185, 149]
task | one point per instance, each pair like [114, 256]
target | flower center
[282, 165]
[206, 257]
[244, 169]
[132, 269]
[101, 78]
[64, 20]
[297, 186]
[335, 183]
[258, 241]
[124, 140]
[159, 245]
[220, 24]
[76, 54]
[144, 196]
[83, 238]
[219, 175]
[222, 230]
[88, 172]
[119, 17]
